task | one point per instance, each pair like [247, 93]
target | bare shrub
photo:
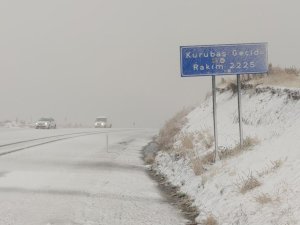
[247, 183]
[263, 198]
[210, 220]
[172, 127]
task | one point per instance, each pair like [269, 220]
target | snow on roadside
[271, 116]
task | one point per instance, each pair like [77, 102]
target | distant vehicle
[102, 122]
[45, 123]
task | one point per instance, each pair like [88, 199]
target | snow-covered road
[76, 181]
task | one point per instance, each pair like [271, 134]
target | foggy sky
[75, 60]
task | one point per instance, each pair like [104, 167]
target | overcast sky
[75, 60]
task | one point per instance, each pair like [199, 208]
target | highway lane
[77, 181]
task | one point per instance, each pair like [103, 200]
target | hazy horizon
[75, 60]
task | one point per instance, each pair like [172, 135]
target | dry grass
[197, 166]
[273, 70]
[205, 137]
[229, 152]
[184, 153]
[180, 152]
[232, 86]
[187, 141]
[263, 198]
[210, 220]
[198, 163]
[208, 158]
[208, 141]
[247, 183]
[172, 127]
[286, 80]
[149, 158]
[275, 165]
[277, 76]
[204, 179]
[186, 150]
[248, 144]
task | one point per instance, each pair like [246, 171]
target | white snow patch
[272, 117]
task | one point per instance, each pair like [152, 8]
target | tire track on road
[55, 138]
[40, 143]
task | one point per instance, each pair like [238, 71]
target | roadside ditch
[170, 192]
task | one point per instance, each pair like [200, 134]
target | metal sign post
[107, 142]
[215, 116]
[240, 109]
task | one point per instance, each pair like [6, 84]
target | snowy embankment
[258, 184]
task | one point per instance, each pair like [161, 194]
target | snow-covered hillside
[259, 184]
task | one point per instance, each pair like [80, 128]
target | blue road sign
[210, 60]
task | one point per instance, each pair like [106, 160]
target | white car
[45, 123]
[102, 122]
